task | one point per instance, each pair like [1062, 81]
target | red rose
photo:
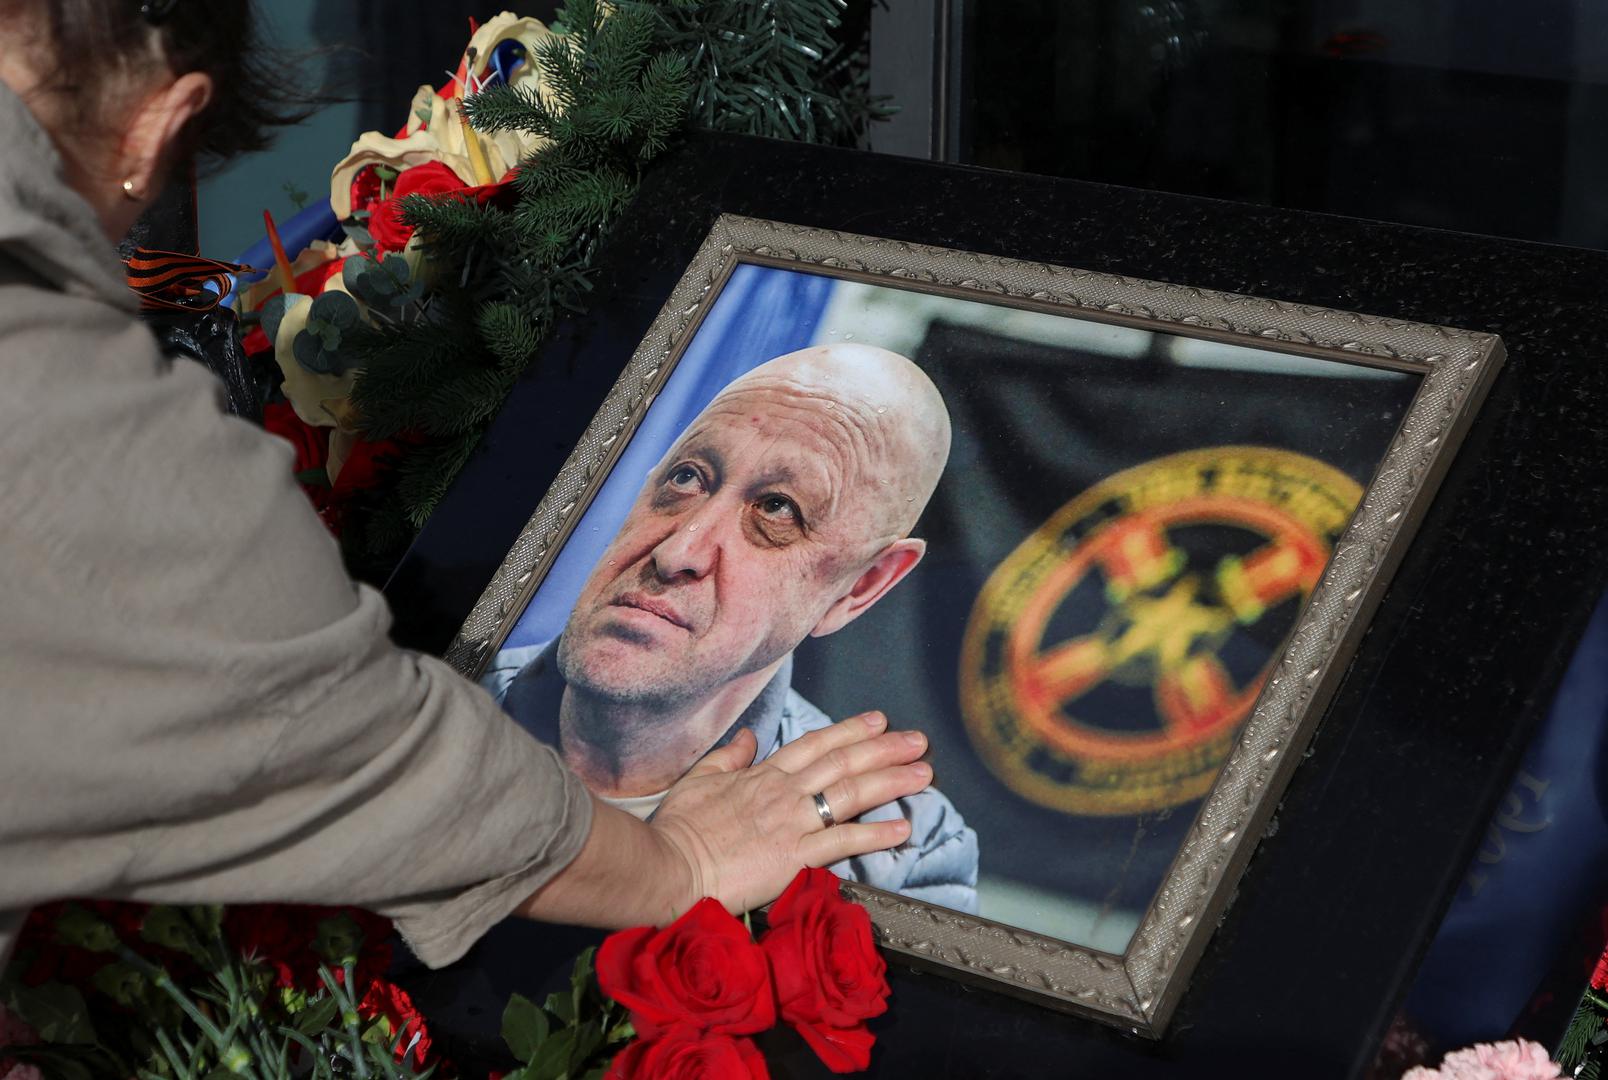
[1599, 977]
[702, 973]
[392, 1002]
[385, 222]
[685, 1057]
[829, 976]
[366, 188]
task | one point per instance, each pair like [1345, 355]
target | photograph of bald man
[782, 512]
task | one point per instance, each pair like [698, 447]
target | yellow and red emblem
[1118, 590]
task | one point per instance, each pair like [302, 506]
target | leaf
[321, 1013]
[396, 268]
[588, 1038]
[551, 1060]
[56, 1012]
[335, 308]
[561, 1006]
[273, 313]
[359, 235]
[353, 270]
[309, 353]
[524, 1027]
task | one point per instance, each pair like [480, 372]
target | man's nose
[692, 548]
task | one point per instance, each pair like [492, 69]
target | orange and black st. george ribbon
[170, 281]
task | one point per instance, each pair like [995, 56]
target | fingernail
[875, 721]
[915, 738]
[922, 770]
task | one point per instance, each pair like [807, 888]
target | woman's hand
[739, 832]
[744, 832]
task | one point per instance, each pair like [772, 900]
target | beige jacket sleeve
[196, 703]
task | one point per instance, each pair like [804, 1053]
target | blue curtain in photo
[761, 313]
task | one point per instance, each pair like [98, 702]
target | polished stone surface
[1372, 836]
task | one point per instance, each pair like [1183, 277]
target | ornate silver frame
[1139, 989]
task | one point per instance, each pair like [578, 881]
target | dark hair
[252, 90]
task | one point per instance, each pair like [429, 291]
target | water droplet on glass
[848, 337]
[881, 409]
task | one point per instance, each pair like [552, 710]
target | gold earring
[129, 190]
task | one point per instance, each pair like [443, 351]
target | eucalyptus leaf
[335, 308]
[359, 235]
[352, 271]
[273, 313]
[309, 353]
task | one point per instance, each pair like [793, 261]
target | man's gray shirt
[937, 864]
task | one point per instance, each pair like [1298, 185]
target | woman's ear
[886, 570]
[153, 132]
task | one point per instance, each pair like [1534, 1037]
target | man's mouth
[653, 606]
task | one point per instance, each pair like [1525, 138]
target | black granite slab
[1377, 825]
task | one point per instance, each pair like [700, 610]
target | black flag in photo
[1116, 553]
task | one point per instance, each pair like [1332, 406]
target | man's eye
[684, 477]
[778, 506]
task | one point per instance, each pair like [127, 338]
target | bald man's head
[884, 406]
[784, 510]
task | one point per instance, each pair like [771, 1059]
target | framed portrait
[1109, 542]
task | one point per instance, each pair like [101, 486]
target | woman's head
[129, 89]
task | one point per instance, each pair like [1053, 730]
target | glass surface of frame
[1162, 519]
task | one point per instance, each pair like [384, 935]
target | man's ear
[886, 570]
[153, 131]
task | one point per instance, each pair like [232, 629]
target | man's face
[745, 534]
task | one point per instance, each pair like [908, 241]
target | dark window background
[1480, 115]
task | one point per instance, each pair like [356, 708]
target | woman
[196, 703]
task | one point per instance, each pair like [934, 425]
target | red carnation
[702, 974]
[432, 178]
[266, 933]
[407, 1024]
[686, 1057]
[829, 976]
[366, 188]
